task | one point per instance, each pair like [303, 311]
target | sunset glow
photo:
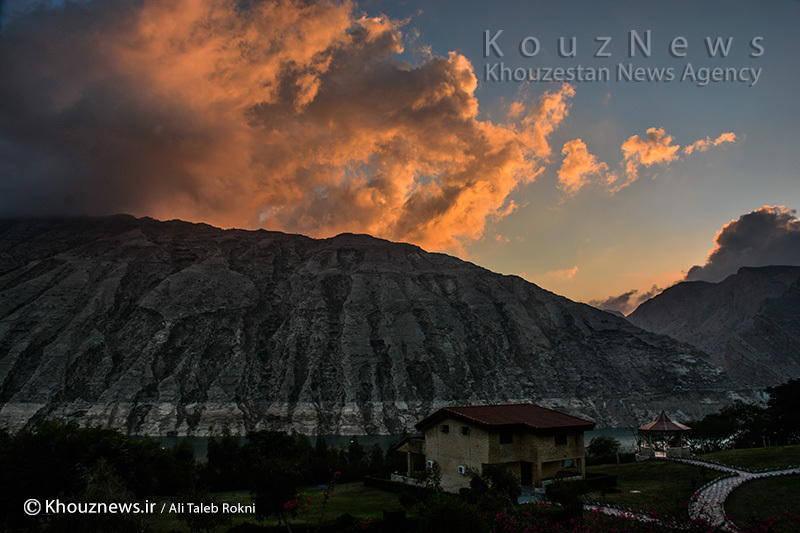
[377, 117]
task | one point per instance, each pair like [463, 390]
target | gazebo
[664, 438]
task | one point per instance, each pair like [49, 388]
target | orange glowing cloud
[567, 273]
[656, 148]
[547, 115]
[288, 115]
[704, 144]
[578, 166]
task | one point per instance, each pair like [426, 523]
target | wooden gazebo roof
[664, 424]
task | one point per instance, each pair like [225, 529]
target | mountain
[749, 322]
[173, 328]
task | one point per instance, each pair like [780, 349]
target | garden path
[708, 503]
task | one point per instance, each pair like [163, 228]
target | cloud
[577, 167]
[655, 148]
[766, 236]
[289, 115]
[704, 144]
[551, 110]
[565, 274]
[626, 302]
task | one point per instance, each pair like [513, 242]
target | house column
[409, 464]
[537, 473]
[582, 464]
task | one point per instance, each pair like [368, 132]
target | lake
[626, 436]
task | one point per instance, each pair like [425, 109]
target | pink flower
[337, 474]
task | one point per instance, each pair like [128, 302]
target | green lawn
[758, 458]
[169, 522]
[661, 485]
[351, 498]
[765, 498]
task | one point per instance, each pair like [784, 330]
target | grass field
[351, 498]
[661, 485]
[758, 458]
[764, 498]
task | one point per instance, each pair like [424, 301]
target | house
[534, 442]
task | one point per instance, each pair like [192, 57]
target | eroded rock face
[176, 328]
[749, 323]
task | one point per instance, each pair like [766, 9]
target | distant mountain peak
[749, 322]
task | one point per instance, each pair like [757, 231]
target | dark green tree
[102, 485]
[226, 466]
[274, 460]
[356, 460]
[740, 425]
[494, 489]
[322, 462]
[784, 411]
[603, 445]
[377, 461]
[568, 494]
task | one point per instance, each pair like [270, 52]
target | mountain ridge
[749, 322]
[179, 328]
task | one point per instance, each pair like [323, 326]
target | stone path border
[707, 503]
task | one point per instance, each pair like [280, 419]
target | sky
[603, 151]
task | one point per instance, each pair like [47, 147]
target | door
[526, 473]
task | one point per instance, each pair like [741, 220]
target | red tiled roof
[506, 416]
[664, 424]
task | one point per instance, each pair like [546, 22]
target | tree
[226, 467]
[273, 458]
[377, 463]
[433, 479]
[784, 416]
[568, 495]
[322, 462]
[356, 460]
[495, 489]
[101, 485]
[274, 487]
[740, 425]
[603, 445]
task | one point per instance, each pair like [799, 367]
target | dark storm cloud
[626, 302]
[766, 236]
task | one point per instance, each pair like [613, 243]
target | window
[506, 437]
[561, 439]
[465, 430]
[445, 428]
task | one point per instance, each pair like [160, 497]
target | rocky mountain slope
[177, 328]
[749, 323]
